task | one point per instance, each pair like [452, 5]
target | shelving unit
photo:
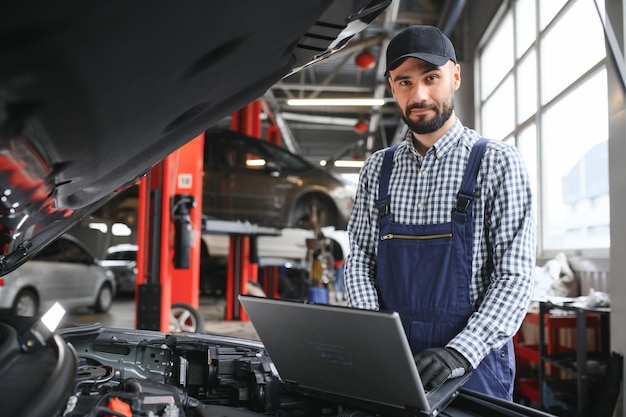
[575, 363]
[557, 360]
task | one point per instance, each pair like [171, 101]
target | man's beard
[421, 126]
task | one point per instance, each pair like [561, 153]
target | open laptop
[360, 358]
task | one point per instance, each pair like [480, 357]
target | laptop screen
[343, 352]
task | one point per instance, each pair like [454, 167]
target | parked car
[122, 261]
[63, 272]
[253, 180]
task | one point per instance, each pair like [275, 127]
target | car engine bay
[93, 371]
[172, 375]
[122, 372]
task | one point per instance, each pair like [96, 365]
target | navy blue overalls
[424, 274]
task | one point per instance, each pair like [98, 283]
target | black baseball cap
[424, 42]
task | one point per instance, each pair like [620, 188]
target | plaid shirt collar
[445, 144]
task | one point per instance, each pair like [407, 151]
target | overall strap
[465, 196]
[383, 183]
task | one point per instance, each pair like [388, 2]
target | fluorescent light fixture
[120, 229]
[255, 162]
[341, 163]
[336, 102]
[102, 227]
[325, 120]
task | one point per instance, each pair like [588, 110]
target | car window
[73, 253]
[51, 253]
[235, 154]
[285, 160]
[230, 152]
[250, 159]
[64, 250]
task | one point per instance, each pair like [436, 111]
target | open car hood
[92, 95]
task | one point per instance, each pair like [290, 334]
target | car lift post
[242, 267]
[168, 236]
[241, 270]
[239, 257]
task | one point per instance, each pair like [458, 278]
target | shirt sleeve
[360, 266]
[504, 257]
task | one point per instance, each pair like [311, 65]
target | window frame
[508, 10]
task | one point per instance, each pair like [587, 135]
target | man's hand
[435, 365]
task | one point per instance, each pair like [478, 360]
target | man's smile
[420, 110]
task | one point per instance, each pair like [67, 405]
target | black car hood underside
[93, 94]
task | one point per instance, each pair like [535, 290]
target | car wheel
[104, 299]
[185, 318]
[26, 304]
[315, 211]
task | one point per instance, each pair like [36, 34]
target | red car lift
[169, 227]
[168, 236]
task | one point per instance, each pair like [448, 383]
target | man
[459, 272]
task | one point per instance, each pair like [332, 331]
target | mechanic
[459, 272]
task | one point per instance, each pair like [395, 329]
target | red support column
[273, 135]
[169, 265]
[248, 120]
[270, 281]
[188, 182]
[237, 277]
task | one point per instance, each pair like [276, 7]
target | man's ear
[456, 76]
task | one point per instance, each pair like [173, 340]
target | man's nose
[419, 94]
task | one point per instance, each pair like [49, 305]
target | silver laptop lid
[345, 352]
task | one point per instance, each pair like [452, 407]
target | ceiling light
[346, 163]
[336, 102]
[325, 120]
[255, 162]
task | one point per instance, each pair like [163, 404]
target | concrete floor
[213, 310]
[122, 315]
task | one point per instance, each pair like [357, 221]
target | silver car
[64, 271]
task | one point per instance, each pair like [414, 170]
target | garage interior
[175, 240]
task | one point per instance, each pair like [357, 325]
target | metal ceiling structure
[328, 133]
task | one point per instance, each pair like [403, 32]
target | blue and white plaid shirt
[423, 190]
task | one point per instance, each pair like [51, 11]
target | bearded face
[421, 124]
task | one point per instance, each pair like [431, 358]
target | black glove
[435, 365]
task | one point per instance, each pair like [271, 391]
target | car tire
[185, 318]
[26, 304]
[104, 301]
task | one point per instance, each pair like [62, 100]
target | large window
[543, 87]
